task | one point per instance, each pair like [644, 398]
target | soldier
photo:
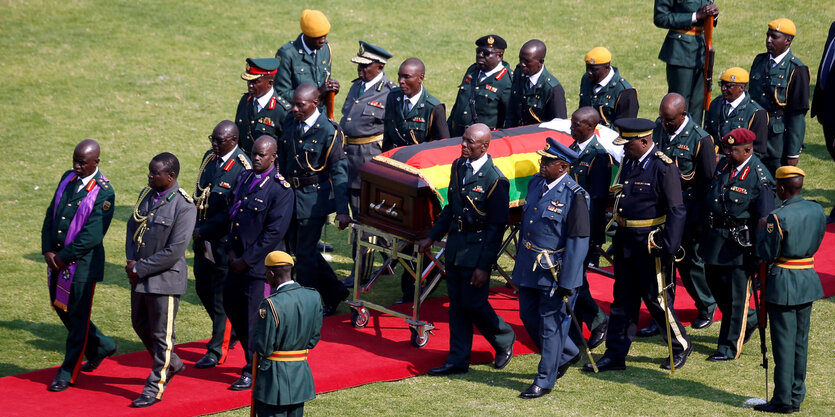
[288, 326]
[536, 95]
[71, 241]
[412, 114]
[362, 122]
[823, 100]
[474, 222]
[684, 49]
[261, 110]
[792, 234]
[312, 160]
[738, 199]
[780, 84]
[307, 60]
[735, 109]
[649, 197]
[691, 148]
[158, 235]
[485, 91]
[550, 261]
[603, 88]
[217, 177]
[261, 206]
[592, 170]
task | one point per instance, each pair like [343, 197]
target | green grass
[153, 76]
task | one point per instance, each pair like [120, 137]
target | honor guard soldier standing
[536, 96]
[735, 109]
[684, 49]
[793, 233]
[71, 241]
[474, 222]
[307, 60]
[261, 110]
[288, 326]
[780, 84]
[739, 196]
[485, 91]
[261, 206]
[592, 170]
[554, 239]
[602, 88]
[412, 114]
[312, 160]
[158, 234]
[650, 216]
[217, 177]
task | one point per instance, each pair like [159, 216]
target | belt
[692, 31]
[724, 223]
[288, 355]
[363, 140]
[528, 245]
[775, 113]
[463, 226]
[803, 263]
[298, 182]
[641, 223]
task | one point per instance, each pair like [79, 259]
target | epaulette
[574, 187]
[278, 177]
[432, 100]
[272, 309]
[104, 184]
[184, 194]
[660, 155]
[244, 161]
[501, 74]
[284, 103]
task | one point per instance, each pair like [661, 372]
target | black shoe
[534, 391]
[678, 359]
[503, 358]
[564, 367]
[770, 407]
[598, 334]
[144, 401]
[324, 247]
[91, 365]
[605, 364]
[242, 384]
[649, 331]
[58, 385]
[718, 357]
[207, 361]
[447, 369]
[749, 331]
[703, 322]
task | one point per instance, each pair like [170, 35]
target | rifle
[709, 55]
[329, 99]
[762, 321]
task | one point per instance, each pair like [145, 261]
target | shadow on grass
[52, 337]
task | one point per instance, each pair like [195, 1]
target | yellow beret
[314, 23]
[599, 55]
[783, 25]
[278, 258]
[789, 171]
[735, 75]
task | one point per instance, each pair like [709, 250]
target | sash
[233, 211]
[64, 276]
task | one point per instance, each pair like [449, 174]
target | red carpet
[346, 357]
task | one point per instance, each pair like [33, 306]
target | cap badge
[490, 40]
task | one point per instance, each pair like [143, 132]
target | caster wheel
[419, 338]
[359, 317]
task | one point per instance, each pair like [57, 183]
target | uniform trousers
[268, 410]
[546, 319]
[242, 295]
[690, 83]
[586, 310]
[312, 270]
[790, 343]
[732, 289]
[692, 270]
[153, 316]
[209, 278]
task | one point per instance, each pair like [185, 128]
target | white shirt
[533, 79]
[779, 58]
[680, 128]
[644, 156]
[373, 81]
[478, 163]
[283, 284]
[226, 157]
[739, 168]
[554, 183]
[736, 103]
[413, 99]
[605, 80]
[483, 75]
[308, 123]
[264, 100]
[584, 144]
[86, 180]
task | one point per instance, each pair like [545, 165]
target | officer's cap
[632, 128]
[788, 171]
[598, 55]
[314, 23]
[257, 67]
[783, 25]
[491, 41]
[369, 53]
[735, 75]
[278, 258]
[739, 136]
[556, 150]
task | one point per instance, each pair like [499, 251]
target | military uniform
[481, 99]
[748, 114]
[216, 180]
[683, 51]
[693, 152]
[252, 123]
[157, 237]
[474, 222]
[425, 122]
[287, 327]
[535, 104]
[86, 252]
[615, 100]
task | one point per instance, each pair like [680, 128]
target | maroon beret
[739, 136]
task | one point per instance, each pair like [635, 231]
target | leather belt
[363, 140]
[692, 31]
[802, 263]
[288, 355]
[641, 223]
[724, 223]
[298, 182]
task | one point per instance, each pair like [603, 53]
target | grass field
[157, 75]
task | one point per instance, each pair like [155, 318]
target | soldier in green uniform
[737, 200]
[484, 92]
[412, 114]
[793, 233]
[780, 84]
[603, 88]
[287, 327]
[684, 48]
[261, 110]
[307, 60]
[536, 96]
[474, 222]
[216, 180]
[735, 109]
[71, 242]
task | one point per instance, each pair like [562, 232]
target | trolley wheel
[359, 317]
[419, 337]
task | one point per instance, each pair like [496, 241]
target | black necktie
[575, 147]
[726, 108]
[468, 172]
